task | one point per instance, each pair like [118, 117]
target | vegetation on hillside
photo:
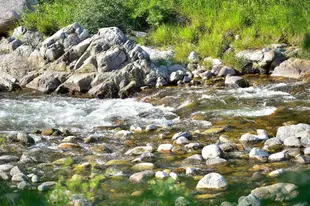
[208, 27]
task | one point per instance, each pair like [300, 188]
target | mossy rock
[117, 162]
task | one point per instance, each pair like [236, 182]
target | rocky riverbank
[110, 65]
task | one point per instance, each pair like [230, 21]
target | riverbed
[205, 112]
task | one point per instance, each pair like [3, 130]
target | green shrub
[151, 12]
[94, 14]
[48, 17]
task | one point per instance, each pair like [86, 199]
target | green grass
[207, 27]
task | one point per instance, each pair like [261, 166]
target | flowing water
[267, 105]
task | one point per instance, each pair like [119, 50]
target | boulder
[249, 200]
[276, 192]
[141, 176]
[292, 68]
[259, 154]
[10, 12]
[251, 55]
[18, 63]
[46, 186]
[47, 82]
[226, 71]
[279, 156]
[193, 58]
[211, 151]
[77, 83]
[299, 130]
[212, 181]
[236, 81]
[215, 162]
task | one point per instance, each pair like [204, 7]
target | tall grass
[258, 22]
[207, 26]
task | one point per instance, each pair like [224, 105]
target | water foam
[86, 114]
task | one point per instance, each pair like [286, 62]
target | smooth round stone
[278, 157]
[35, 179]
[181, 140]
[161, 175]
[165, 148]
[143, 166]
[259, 154]
[211, 151]
[212, 181]
[46, 186]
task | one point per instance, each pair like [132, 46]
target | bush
[52, 15]
[94, 14]
[49, 17]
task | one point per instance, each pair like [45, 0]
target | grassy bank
[208, 27]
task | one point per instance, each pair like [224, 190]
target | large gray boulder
[212, 181]
[276, 192]
[293, 68]
[236, 81]
[47, 82]
[10, 11]
[299, 130]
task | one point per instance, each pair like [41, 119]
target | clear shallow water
[243, 110]
[27, 113]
